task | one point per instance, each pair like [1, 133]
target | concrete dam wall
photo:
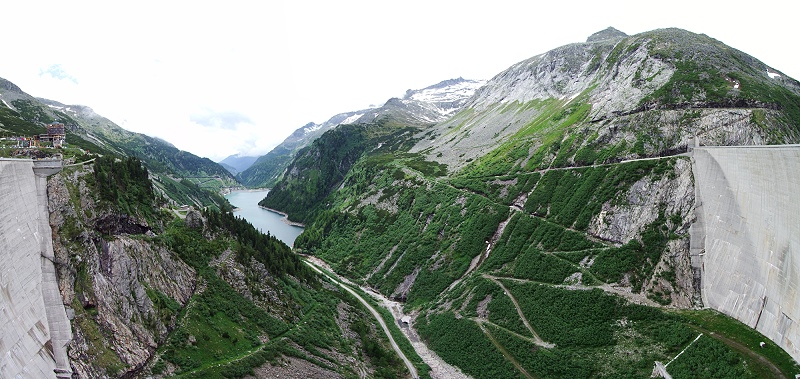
[745, 245]
[34, 328]
[746, 239]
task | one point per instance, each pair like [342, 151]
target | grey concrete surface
[28, 288]
[747, 237]
[60, 328]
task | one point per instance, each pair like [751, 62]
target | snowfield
[455, 92]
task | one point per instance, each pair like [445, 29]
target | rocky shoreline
[285, 217]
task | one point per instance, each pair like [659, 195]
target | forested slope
[543, 230]
[205, 296]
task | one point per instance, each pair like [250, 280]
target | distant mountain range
[180, 175]
[426, 106]
[551, 226]
[236, 164]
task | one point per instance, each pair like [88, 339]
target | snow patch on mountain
[448, 91]
[352, 118]
[312, 128]
[63, 108]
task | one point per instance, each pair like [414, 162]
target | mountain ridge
[548, 228]
[611, 79]
[564, 183]
[419, 107]
[90, 131]
[236, 163]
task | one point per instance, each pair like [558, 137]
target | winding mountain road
[375, 314]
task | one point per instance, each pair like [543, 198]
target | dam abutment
[746, 237]
[34, 328]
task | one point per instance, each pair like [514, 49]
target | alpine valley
[625, 207]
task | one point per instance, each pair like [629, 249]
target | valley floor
[439, 368]
[338, 281]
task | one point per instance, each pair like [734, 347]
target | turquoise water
[262, 219]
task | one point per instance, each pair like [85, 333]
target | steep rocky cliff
[152, 295]
[120, 287]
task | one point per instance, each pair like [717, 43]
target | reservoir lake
[262, 219]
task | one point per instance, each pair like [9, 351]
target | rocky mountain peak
[605, 35]
[6, 85]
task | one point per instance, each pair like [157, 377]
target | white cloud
[56, 71]
[229, 120]
[216, 78]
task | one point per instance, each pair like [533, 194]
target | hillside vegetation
[205, 296]
[179, 177]
[543, 230]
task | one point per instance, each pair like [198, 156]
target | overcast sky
[225, 77]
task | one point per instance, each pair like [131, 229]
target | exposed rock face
[622, 222]
[113, 224]
[253, 282]
[115, 284]
[125, 271]
[294, 368]
[676, 128]
[606, 34]
[194, 220]
[683, 291]
[672, 194]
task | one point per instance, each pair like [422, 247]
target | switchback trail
[536, 339]
[505, 352]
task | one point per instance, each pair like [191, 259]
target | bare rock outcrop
[115, 281]
[195, 220]
[670, 196]
[254, 282]
[623, 221]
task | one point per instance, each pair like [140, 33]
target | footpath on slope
[375, 314]
[504, 352]
[537, 340]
